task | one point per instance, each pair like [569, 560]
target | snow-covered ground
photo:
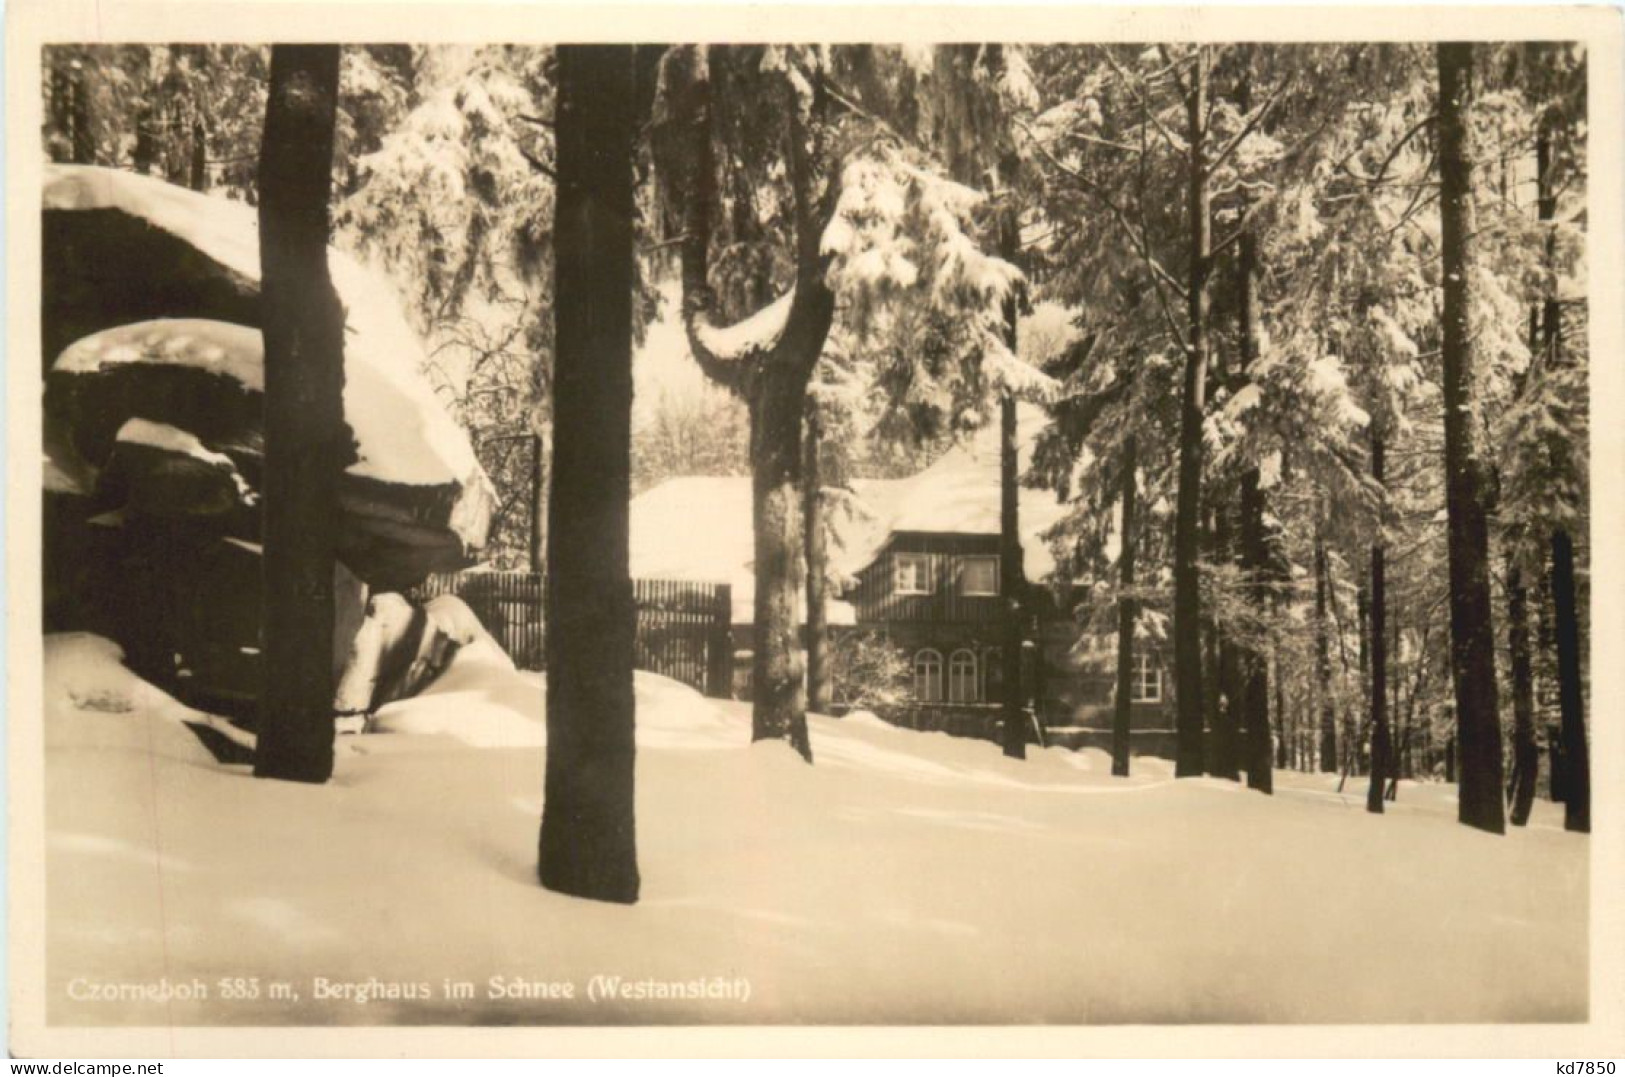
[906, 877]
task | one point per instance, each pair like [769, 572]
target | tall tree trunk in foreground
[1187, 522]
[1323, 661]
[1254, 663]
[771, 376]
[1571, 698]
[307, 444]
[588, 843]
[1576, 754]
[1224, 673]
[1525, 746]
[1012, 573]
[1010, 578]
[1382, 762]
[1123, 710]
[1472, 635]
[818, 675]
[1255, 703]
[779, 693]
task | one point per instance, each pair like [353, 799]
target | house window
[979, 576]
[928, 676]
[993, 674]
[1146, 685]
[962, 686]
[913, 574]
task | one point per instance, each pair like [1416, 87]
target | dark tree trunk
[81, 117]
[59, 111]
[1570, 689]
[1323, 662]
[146, 149]
[199, 178]
[1471, 616]
[1284, 754]
[1224, 674]
[1405, 766]
[1254, 664]
[779, 699]
[1576, 753]
[588, 844]
[307, 444]
[1255, 704]
[1525, 745]
[1010, 579]
[818, 680]
[1382, 767]
[773, 380]
[1012, 571]
[1123, 709]
[1187, 523]
[538, 504]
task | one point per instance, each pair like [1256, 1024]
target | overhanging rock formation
[154, 398]
[151, 313]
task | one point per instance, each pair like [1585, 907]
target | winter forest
[1081, 533]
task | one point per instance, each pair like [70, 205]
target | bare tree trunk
[818, 680]
[1011, 581]
[588, 844]
[1286, 743]
[779, 699]
[1406, 765]
[1525, 746]
[1255, 687]
[1224, 674]
[82, 132]
[1012, 571]
[1123, 710]
[1255, 704]
[1382, 767]
[1576, 753]
[199, 178]
[1471, 615]
[1323, 661]
[307, 444]
[538, 504]
[1570, 689]
[773, 381]
[1187, 522]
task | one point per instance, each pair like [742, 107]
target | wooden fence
[683, 629]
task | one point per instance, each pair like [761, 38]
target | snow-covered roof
[959, 494]
[411, 441]
[698, 528]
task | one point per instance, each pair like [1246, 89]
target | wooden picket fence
[683, 629]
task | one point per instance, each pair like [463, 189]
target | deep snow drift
[906, 877]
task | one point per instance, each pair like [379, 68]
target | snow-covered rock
[151, 310]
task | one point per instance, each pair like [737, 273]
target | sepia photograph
[554, 532]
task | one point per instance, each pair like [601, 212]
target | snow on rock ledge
[403, 434]
[151, 310]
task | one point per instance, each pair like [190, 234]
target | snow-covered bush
[868, 670]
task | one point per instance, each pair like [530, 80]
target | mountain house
[915, 561]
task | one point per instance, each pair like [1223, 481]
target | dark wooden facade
[1071, 675]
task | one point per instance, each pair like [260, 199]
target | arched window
[962, 686]
[928, 676]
